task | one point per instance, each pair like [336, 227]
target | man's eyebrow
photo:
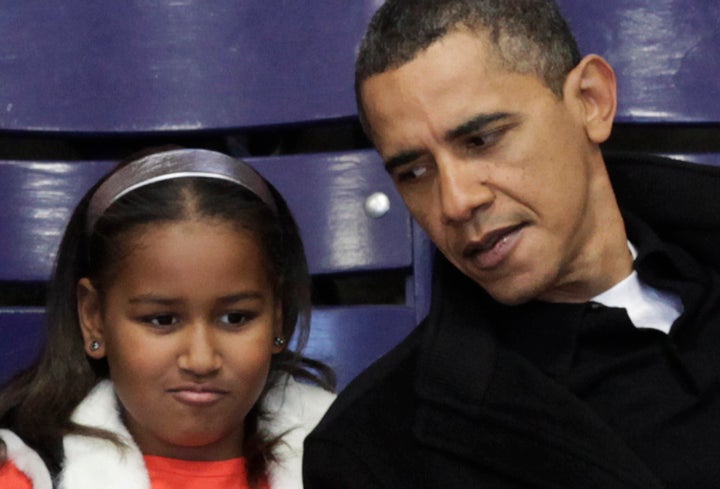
[400, 159]
[475, 124]
[468, 127]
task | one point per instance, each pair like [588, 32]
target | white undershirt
[647, 306]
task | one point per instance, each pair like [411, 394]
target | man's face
[495, 167]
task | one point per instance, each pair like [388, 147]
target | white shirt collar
[646, 306]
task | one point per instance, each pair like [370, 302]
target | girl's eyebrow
[168, 301]
[242, 296]
[480, 121]
[153, 299]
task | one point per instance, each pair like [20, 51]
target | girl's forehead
[148, 233]
[192, 238]
[189, 257]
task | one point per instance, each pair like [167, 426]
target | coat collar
[88, 459]
[677, 198]
[492, 408]
[293, 409]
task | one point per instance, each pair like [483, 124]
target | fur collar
[88, 460]
[26, 460]
[294, 408]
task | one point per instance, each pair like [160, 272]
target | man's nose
[463, 190]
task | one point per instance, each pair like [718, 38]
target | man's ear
[90, 316]
[592, 83]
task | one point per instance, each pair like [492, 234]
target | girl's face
[187, 326]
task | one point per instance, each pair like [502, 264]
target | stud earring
[94, 345]
[279, 341]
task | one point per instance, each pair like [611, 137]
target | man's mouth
[494, 246]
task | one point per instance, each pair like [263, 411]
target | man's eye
[411, 173]
[476, 141]
[481, 142]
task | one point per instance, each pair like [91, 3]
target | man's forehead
[452, 60]
[478, 42]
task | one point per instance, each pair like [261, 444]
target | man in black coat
[571, 341]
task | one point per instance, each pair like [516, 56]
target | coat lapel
[89, 460]
[498, 413]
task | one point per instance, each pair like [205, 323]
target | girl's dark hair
[37, 403]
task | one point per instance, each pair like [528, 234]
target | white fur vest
[91, 462]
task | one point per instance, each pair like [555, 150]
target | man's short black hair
[531, 36]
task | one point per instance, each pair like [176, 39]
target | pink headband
[182, 163]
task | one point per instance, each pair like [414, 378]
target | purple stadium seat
[666, 54]
[168, 66]
[36, 201]
[77, 69]
[21, 338]
[74, 69]
[182, 66]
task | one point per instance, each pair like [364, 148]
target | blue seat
[76, 69]
[21, 335]
[344, 235]
[666, 54]
[36, 201]
[109, 67]
[181, 70]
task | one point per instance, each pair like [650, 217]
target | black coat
[450, 407]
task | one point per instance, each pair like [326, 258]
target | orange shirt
[12, 478]
[165, 473]
[168, 473]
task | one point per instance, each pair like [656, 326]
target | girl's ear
[90, 316]
[592, 83]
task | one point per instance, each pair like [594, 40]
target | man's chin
[509, 291]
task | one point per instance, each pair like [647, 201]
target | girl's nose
[199, 355]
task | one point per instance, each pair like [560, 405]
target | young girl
[179, 284]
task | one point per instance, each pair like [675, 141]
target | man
[567, 345]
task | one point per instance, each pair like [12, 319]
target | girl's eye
[162, 320]
[236, 318]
